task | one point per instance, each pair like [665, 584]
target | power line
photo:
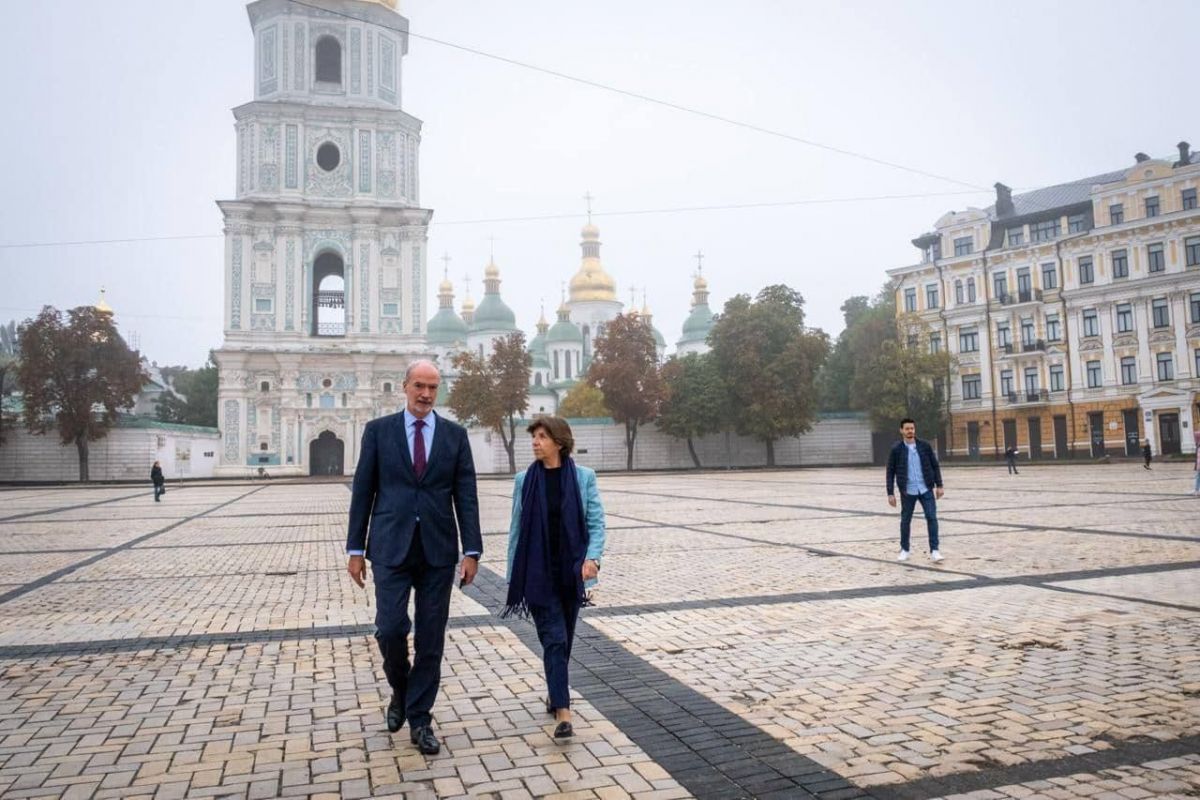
[650, 99]
[542, 217]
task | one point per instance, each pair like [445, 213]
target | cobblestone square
[753, 636]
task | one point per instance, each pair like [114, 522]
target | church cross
[589, 198]
[699, 262]
[446, 260]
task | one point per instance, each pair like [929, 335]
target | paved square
[753, 637]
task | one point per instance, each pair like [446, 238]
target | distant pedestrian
[914, 466]
[1010, 456]
[160, 483]
[1146, 454]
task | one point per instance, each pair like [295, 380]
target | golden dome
[700, 283]
[468, 304]
[445, 287]
[101, 306]
[491, 271]
[394, 5]
[591, 282]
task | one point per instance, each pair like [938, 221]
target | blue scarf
[532, 582]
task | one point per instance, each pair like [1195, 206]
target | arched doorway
[329, 296]
[326, 455]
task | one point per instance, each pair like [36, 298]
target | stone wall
[125, 454]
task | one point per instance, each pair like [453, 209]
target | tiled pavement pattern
[753, 637]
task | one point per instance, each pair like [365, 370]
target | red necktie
[419, 449]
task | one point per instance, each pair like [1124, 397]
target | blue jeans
[556, 631]
[908, 502]
[159, 488]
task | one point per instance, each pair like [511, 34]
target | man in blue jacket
[914, 466]
[413, 498]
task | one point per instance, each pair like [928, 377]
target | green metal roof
[492, 314]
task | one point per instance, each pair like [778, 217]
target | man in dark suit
[414, 476]
[914, 466]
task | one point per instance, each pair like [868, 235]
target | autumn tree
[77, 374]
[625, 369]
[8, 370]
[583, 401]
[493, 392]
[192, 396]
[904, 379]
[695, 401]
[769, 359]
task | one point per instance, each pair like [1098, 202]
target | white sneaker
[935, 556]
[903, 556]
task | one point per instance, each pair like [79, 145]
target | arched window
[329, 60]
[537, 379]
[568, 360]
[387, 387]
[265, 386]
[555, 365]
[329, 296]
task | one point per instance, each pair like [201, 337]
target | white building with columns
[325, 242]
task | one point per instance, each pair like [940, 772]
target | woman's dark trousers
[556, 631]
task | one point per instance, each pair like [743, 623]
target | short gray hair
[420, 362]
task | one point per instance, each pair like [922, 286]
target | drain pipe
[1062, 299]
[987, 311]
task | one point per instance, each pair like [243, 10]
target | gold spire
[101, 306]
[591, 282]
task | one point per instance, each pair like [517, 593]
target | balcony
[1022, 398]
[1033, 346]
[1022, 296]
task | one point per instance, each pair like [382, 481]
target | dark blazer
[156, 476]
[388, 496]
[897, 466]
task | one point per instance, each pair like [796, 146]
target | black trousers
[415, 683]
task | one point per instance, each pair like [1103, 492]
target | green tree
[8, 370]
[769, 359]
[901, 381]
[493, 392]
[583, 401]
[192, 400]
[625, 369]
[869, 323]
[77, 375]
[695, 401]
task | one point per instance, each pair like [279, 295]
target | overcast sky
[118, 125]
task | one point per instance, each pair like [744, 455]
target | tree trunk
[692, 452]
[770, 452]
[509, 444]
[630, 439]
[81, 445]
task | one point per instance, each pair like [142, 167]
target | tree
[77, 375]
[583, 401]
[770, 362]
[625, 369]
[868, 325]
[493, 392]
[8, 370]
[695, 402]
[192, 398]
[901, 381]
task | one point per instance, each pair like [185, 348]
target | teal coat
[589, 495]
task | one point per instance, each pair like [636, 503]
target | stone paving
[753, 637]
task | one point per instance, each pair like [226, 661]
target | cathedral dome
[591, 282]
[564, 330]
[493, 314]
[446, 328]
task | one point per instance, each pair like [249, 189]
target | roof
[446, 327]
[1063, 194]
[493, 314]
[130, 421]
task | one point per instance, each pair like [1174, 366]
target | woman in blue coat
[555, 542]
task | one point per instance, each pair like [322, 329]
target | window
[1076, 223]
[1188, 199]
[935, 343]
[1191, 249]
[931, 296]
[327, 401]
[1160, 314]
[1152, 206]
[1016, 236]
[329, 60]
[308, 400]
[1154, 254]
[387, 387]
[968, 340]
[939, 387]
[971, 387]
[1031, 380]
[1052, 330]
[1091, 323]
[971, 284]
[933, 252]
[1196, 357]
[1006, 381]
[1044, 231]
[1166, 366]
[1003, 334]
[1024, 283]
[958, 292]
[328, 156]
[1124, 318]
[1194, 301]
[262, 305]
[1120, 262]
[1049, 276]
[910, 299]
[1128, 371]
[1000, 283]
[1095, 377]
[264, 446]
[964, 246]
[264, 386]
[391, 309]
[1056, 378]
[912, 341]
[1027, 336]
[1116, 213]
[1087, 274]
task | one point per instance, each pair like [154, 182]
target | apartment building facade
[1072, 314]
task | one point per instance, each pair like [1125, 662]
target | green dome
[658, 337]
[492, 314]
[446, 327]
[537, 345]
[698, 324]
[565, 331]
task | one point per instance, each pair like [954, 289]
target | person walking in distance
[913, 465]
[415, 477]
[1147, 454]
[160, 483]
[1010, 457]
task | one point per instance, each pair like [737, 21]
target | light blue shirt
[916, 477]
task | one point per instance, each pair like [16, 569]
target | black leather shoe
[564, 730]
[425, 741]
[395, 714]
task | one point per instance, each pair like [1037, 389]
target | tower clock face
[328, 157]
